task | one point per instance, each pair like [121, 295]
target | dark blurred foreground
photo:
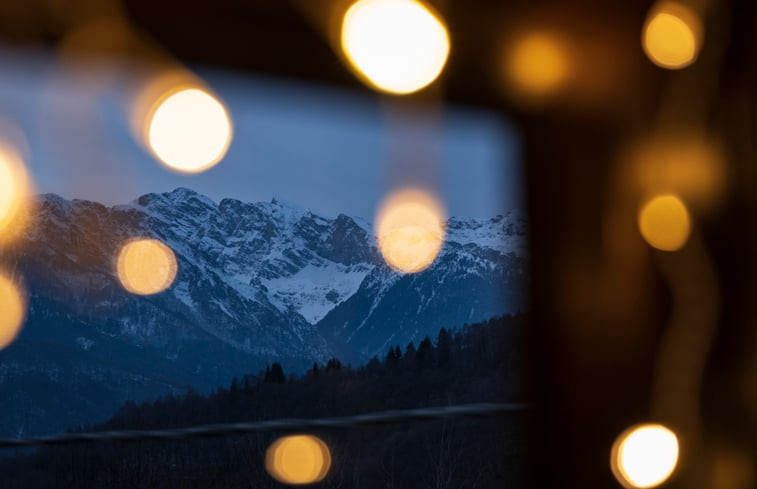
[482, 362]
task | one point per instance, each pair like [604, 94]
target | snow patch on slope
[316, 289]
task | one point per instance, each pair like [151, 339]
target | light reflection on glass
[537, 64]
[688, 164]
[664, 222]
[644, 456]
[672, 35]
[15, 193]
[398, 46]
[12, 310]
[189, 130]
[177, 119]
[410, 230]
[146, 266]
[298, 459]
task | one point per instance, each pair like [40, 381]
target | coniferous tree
[441, 454]
[333, 365]
[390, 356]
[267, 376]
[374, 365]
[408, 359]
[234, 389]
[425, 355]
[277, 374]
[274, 374]
[443, 348]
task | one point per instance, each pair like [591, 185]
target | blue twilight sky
[318, 147]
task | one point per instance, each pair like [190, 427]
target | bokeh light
[15, 193]
[537, 64]
[733, 465]
[664, 222]
[398, 46]
[12, 310]
[410, 230]
[188, 129]
[644, 455]
[105, 36]
[298, 459]
[146, 266]
[688, 164]
[672, 35]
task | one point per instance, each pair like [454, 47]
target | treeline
[478, 363]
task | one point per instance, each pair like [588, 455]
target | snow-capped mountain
[257, 282]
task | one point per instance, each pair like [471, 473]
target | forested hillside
[479, 363]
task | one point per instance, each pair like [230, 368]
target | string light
[298, 459]
[397, 46]
[410, 230]
[146, 266]
[644, 456]
[672, 35]
[664, 222]
[12, 310]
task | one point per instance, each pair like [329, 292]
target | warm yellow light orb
[537, 64]
[12, 311]
[14, 192]
[664, 223]
[644, 456]
[672, 36]
[298, 459]
[398, 46]
[146, 266]
[410, 230]
[689, 165]
[189, 130]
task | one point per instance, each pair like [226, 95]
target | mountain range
[257, 283]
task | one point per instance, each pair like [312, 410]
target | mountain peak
[50, 197]
[255, 283]
[281, 203]
[177, 196]
[281, 211]
[54, 201]
[183, 194]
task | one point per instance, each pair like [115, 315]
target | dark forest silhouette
[478, 363]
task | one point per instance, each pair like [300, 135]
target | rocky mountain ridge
[257, 282]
